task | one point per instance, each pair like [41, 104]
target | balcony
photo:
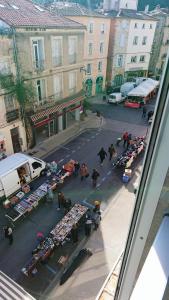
[57, 61]
[39, 65]
[46, 103]
[12, 115]
[72, 58]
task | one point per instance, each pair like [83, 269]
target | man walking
[111, 151]
[8, 232]
[95, 176]
[102, 154]
[125, 138]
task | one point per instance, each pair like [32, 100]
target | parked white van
[18, 169]
[116, 98]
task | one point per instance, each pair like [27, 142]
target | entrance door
[51, 127]
[99, 85]
[88, 85]
[15, 139]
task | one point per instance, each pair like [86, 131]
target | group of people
[126, 138]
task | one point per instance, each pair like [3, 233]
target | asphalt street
[83, 148]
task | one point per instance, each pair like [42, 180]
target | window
[135, 25]
[72, 82]
[135, 40]
[90, 49]
[4, 67]
[101, 47]
[41, 90]
[38, 54]
[72, 49]
[122, 40]
[36, 165]
[100, 66]
[89, 69]
[142, 58]
[151, 26]
[133, 59]
[57, 52]
[143, 26]
[9, 102]
[90, 27]
[102, 29]
[144, 41]
[57, 81]
[120, 60]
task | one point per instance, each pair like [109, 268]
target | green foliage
[86, 105]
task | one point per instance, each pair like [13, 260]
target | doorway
[15, 139]
[99, 85]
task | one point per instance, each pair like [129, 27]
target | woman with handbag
[84, 171]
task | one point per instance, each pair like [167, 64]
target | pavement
[107, 243]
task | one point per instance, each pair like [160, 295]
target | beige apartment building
[46, 53]
[95, 43]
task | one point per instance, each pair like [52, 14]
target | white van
[16, 169]
[116, 98]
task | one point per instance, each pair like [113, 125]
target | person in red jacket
[125, 138]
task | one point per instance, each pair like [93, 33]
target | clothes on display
[55, 238]
[126, 159]
[66, 171]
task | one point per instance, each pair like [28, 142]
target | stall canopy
[10, 290]
[144, 88]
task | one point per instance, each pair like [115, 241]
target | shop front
[53, 120]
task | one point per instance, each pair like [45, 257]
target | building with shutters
[130, 45]
[95, 45]
[46, 53]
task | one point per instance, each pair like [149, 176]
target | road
[83, 148]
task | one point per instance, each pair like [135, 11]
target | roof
[129, 13]
[11, 290]
[73, 9]
[12, 162]
[22, 13]
[144, 88]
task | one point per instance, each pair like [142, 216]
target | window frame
[135, 40]
[53, 38]
[133, 60]
[89, 72]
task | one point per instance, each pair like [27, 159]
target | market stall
[67, 170]
[56, 237]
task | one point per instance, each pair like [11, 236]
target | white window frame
[142, 61]
[100, 63]
[135, 25]
[101, 52]
[89, 27]
[144, 40]
[143, 26]
[35, 39]
[102, 28]
[45, 89]
[69, 38]
[59, 95]
[89, 64]
[73, 89]
[90, 43]
[135, 60]
[52, 44]
[135, 40]
[120, 57]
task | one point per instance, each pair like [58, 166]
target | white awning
[153, 278]
[10, 290]
[144, 88]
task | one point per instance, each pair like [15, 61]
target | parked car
[116, 98]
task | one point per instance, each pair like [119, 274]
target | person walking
[102, 154]
[76, 168]
[84, 171]
[144, 111]
[125, 137]
[61, 200]
[95, 175]
[96, 218]
[129, 140]
[111, 151]
[8, 232]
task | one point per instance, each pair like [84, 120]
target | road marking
[108, 173]
[99, 184]
[104, 178]
[64, 147]
[67, 155]
[50, 269]
[60, 160]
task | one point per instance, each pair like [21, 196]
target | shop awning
[10, 290]
[47, 112]
[144, 88]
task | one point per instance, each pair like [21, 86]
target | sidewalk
[106, 244]
[51, 144]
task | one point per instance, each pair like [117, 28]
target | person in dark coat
[74, 233]
[61, 200]
[77, 168]
[111, 151]
[96, 218]
[149, 115]
[144, 111]
[102, 154]
[8, 232]
[95, 175]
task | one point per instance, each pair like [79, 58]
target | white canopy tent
[144, 88]
[10, 290]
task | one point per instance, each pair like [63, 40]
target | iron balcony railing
[12, 115]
